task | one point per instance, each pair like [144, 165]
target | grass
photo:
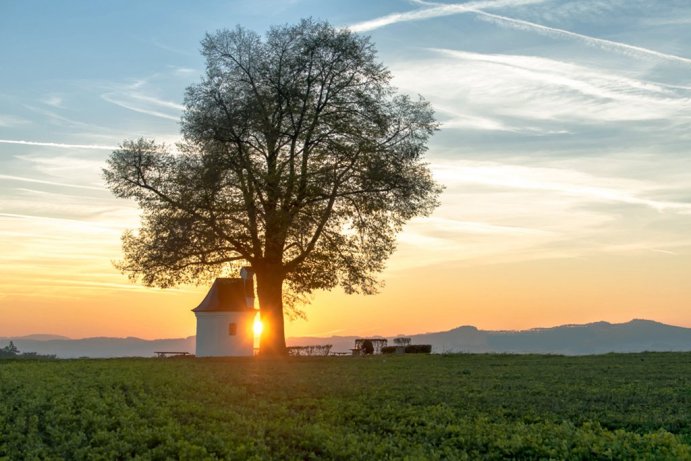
[616, 406]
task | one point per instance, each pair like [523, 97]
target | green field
[617, 406]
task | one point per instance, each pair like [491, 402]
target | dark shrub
[388, 349]
[377, 344]
[418, 349]
[367, 347]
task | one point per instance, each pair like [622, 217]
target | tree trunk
[270, 293]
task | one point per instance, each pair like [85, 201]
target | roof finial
[246, 273]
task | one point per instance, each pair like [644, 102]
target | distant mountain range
[592, 338]
[66, 348]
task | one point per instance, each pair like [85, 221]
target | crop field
[616, 406]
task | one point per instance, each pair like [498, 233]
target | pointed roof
[226, 294]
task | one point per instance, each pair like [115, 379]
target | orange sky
[97, 301]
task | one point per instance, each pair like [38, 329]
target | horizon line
[67, 338]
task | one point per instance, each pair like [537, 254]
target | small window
[232, 329]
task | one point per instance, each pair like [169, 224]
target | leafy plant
[410, 406]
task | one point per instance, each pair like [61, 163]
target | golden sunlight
[257, 327]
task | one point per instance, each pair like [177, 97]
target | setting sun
[257, 327]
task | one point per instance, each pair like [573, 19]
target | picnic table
[164, 354]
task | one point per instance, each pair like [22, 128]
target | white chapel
[225, 318]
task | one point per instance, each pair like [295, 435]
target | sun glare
[258, 327]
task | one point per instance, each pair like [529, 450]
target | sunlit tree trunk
[270, 294]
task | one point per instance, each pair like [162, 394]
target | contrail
[478, 7]
[593, 41]
[435, 11]
[58, 145]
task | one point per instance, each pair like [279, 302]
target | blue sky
[565, 149]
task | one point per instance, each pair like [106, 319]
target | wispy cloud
[57, 144]
[438, 10]
[184, 71]
[61, 120]
[498, 212]
[652, 246]
[157, 101]
[446, 226]
[39, 251]
[477, 7]
[138, 96]
[48, 183]
[95, 285]
[65, 167]
[165, 47]
[121, 100]
[608, 45]
[54, 101]
[511, 92]
[10, 121]
[457, 119]
[555, 180]
[674, 21]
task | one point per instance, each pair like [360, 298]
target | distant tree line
[12, 352]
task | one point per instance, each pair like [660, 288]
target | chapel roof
[227, 294]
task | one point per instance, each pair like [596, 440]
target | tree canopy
[298, 159]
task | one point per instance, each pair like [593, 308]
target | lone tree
[9, 351]
[298, 159]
